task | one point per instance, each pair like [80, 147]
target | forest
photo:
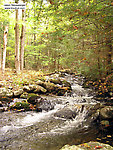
[55, 35]
[56, 74]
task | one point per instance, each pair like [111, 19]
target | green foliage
[64, 34]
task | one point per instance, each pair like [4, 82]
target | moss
[20, 105]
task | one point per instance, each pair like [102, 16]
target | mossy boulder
[50, 87]
[20, 105]
[34, 99]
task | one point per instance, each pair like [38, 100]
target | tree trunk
[17, 52]
[4, 48]
[109, 49]
[22, 41]
[0, 56]
[109, 55]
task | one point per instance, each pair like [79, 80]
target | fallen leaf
[109, 136]
[98, 147]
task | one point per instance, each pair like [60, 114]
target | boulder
[3, 91]
[88, 146]
[61, 91]
[9, 93]
[26, 88]
[35, 99]
[39, 82]
[34, 88]
[66, 113]
[5, 100]
[29, 88]
[24, 95]
[18, 93]
[55, 81]
[39, 89]
[40, 103]
[50, 87]
[45, 105]
[20, 105]
[106, 112]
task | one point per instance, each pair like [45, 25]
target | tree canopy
[63, 35]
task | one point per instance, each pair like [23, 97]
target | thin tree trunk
[17, 52]
[4, 48]
[0, 56]
[22, 42]
[109, 55]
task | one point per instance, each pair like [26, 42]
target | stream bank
[70, 119]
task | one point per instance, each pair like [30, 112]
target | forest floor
[103, 86]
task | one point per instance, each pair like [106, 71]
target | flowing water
[68, 122]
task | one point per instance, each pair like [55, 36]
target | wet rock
[35, 100]
[40, 103]
[66, 84]
[45, 105]
[61, 91]
[66, 113]
[88, 146]
[106, 112]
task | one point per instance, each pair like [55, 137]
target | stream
[68, 123]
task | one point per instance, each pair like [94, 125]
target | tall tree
[22, 41]
[0, 56]
[17, 52]
[4, 48]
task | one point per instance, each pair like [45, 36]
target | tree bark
[17, 52]
[109, 55]
[22, 41]
[0, 56]
[4, 48]
[109, 49]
